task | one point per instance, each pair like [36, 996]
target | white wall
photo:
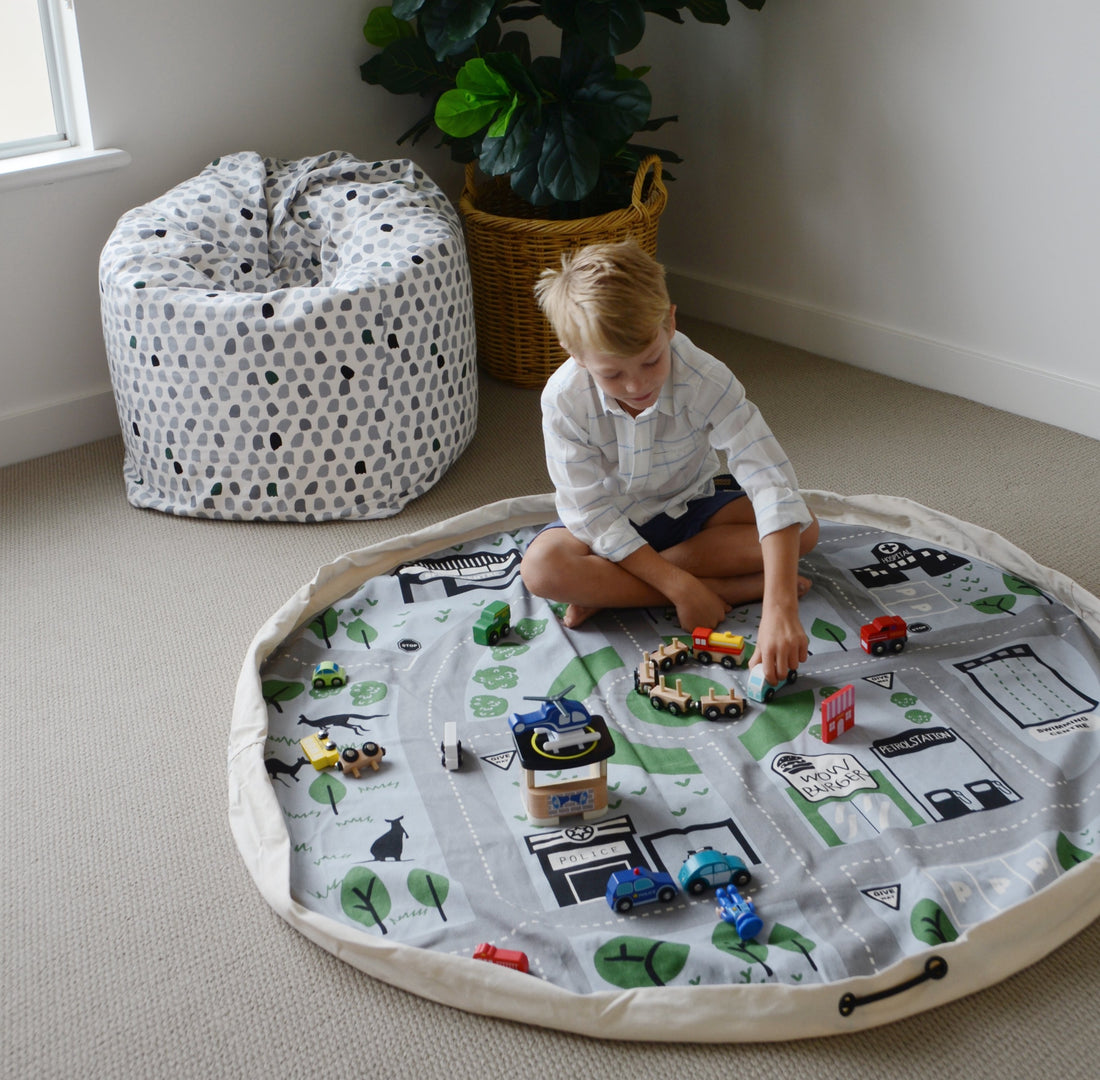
[175, 85]
[907, 186]
[911, 187]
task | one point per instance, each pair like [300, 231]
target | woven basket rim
[651, 207]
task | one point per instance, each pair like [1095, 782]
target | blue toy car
[708, 868]
[759, 689]
[739, 912]
[625, 888]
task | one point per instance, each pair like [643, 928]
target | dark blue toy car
[625, 888]
[739, 912]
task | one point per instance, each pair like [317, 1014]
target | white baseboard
[57, 425]
[1039, 395]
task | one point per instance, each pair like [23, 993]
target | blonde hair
[606, 298]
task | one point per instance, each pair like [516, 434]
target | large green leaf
[569, 162]
[382, 27]
[612, 110]
[610, 26]
[480, 95]
[450, 26]
[406, 66]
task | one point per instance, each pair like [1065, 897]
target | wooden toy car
[354, 760]
[720, 645]
[493, 623]
[320, 750]
[509, 958]
[759, 689]
[887, 633]
[625, 888]
[329, 674]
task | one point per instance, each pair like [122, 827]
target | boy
[631, 422]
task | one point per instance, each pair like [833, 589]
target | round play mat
[424, 764]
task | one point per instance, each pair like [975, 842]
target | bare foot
[575, 615]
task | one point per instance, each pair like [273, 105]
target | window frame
[69, 151]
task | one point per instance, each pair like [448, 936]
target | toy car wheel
[879, 649]
[703, 657]
[712, 712]
[492, 637]
[673, 709]
[741, 877]
[728, 662]
[442, 755]
[623, 904]
[792, 676]
[768, 695]
[733, 710]
[666, 894]
[897, 646]
[697, 887]
[656, 702]
[349, 753]
[318, 684]
[666, 663]
[681, 658]
[504, 630]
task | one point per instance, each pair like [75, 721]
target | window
[35, 115]
[45, 129]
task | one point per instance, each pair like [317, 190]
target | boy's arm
[696, 604]
[782, 643]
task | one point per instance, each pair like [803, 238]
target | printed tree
[629, 962]
[786, 937]
[828, 631]
[327, 790]
[728, 940]
[324, 625]
[276, 691]
[930, 924]
[429, 889]
[1069, 855]
[364, 898]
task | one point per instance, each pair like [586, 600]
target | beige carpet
[133, 943]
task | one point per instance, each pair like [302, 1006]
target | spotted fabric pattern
[290, 340]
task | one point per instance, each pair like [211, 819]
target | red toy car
[887, 633]
[509, 958]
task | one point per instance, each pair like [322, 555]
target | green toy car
[493, 623]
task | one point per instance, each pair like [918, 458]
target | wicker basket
[509, 245]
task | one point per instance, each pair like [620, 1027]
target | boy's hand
[698, 605]
[782, 643]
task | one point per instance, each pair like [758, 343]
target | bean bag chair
[290, 340]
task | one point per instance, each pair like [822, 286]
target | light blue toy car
[759, 689]
[708, 869]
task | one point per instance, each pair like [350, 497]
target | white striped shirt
[610, 469]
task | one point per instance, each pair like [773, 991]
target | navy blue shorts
[664, 532]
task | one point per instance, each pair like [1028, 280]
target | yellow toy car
[320, 750]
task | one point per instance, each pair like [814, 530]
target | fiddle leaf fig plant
[562, 127]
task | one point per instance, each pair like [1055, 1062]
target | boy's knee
[535, 574]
